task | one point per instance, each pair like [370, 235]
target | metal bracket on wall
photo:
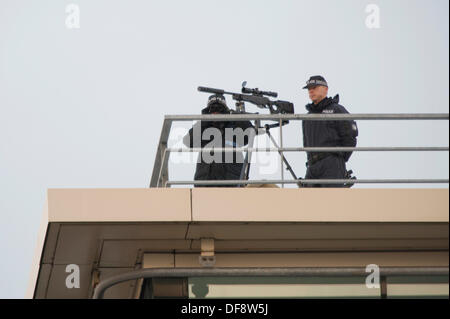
[207, 258]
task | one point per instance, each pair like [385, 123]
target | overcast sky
[83, 107]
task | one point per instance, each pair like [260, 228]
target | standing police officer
[326, 165]
[225, 168]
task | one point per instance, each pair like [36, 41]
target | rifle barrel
[212, 90]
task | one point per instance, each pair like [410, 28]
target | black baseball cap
[217, 99]
[315, 80]
[216, 103]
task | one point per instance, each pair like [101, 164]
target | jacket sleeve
[188, 139]
[347, 132]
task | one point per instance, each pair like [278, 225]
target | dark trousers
[331, 167]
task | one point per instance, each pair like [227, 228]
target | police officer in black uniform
[326, 165]
[228, 167]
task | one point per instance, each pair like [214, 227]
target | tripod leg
[245, 171]
[288, 166]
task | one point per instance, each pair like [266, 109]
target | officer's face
[317, 93]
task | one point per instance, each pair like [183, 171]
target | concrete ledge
[320, 205]
[248, 205]
[119, 205]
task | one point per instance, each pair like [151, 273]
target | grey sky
[83, 108]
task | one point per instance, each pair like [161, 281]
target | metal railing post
[160, 168]
[281, 153]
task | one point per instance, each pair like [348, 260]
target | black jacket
[221, 169]
[329, 133]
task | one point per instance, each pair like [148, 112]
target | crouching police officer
[326, 165]
[212, 165]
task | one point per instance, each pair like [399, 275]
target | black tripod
[246, 167]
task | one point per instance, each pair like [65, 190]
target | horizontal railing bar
[305, 149]
[313, 181]
[264, 272]
[313, 117]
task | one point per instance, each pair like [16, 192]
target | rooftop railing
[160, 170]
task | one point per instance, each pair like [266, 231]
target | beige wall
[319, 205]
